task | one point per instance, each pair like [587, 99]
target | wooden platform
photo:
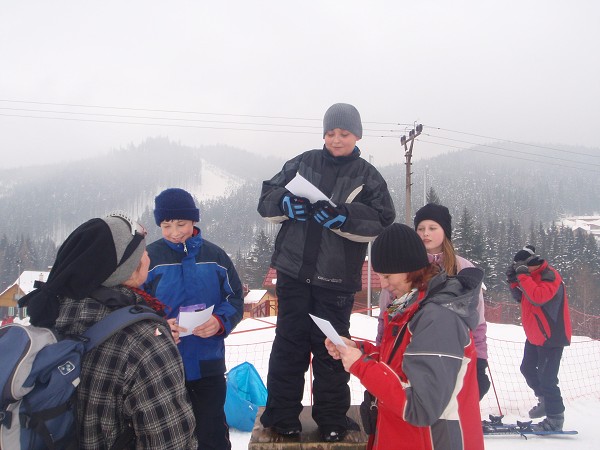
[309, 439]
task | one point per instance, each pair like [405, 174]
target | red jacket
[544, 307]
[428, 397]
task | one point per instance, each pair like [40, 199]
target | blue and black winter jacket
[197, 271]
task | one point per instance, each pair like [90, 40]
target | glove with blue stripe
[296, 208]
[332, 217]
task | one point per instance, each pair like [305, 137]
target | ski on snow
[495, 426]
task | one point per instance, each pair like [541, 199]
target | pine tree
[240, 264]
[259, 259]
[491, 263]
[465, 239]
[432, 196]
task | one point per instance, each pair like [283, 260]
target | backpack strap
[117, 320]
[37, 422]
[105, 328]
[399, 337]
[397, 342]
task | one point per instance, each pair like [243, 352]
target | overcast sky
[526, 71]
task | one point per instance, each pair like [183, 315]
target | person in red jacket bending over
[540, 290]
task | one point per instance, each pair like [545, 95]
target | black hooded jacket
[317, 255]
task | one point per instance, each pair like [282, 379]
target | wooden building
[22, 286]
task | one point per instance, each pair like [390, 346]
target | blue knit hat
[175, 204]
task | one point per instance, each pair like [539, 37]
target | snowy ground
[581, 414]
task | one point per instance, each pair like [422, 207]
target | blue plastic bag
[245, 393]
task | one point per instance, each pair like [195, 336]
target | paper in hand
[328, 330]
[301, 187]
[193, 319]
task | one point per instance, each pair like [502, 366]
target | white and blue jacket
[197, 271]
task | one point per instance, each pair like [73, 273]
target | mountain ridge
[41, 205]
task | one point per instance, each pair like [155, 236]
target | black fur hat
[527, 256]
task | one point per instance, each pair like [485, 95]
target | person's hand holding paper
[328, 330]
[193, 319]
[338, 347]
[301, 187]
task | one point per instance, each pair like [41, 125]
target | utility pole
[425, 186]
[17, 295]
[369, 287]
[408, 155]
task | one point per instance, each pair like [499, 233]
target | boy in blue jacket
[186, 270]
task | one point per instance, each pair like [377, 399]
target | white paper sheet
[328, 330]
[191, 320]
[301, 187]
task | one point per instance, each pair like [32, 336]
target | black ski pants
[540, 368]
[208, 402]
[296, 337]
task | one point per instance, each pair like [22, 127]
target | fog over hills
[51, 200]
[41, 205]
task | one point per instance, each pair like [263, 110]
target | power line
[151, 110]
[78, 113]
[125, 122]
[512, 157]
[516, 151]
[508, 140]
[381, 133]
[72, 119]
[75, 105]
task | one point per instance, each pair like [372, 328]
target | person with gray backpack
[130, 391]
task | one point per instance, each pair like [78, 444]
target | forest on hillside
[498, 205]
[491, 247]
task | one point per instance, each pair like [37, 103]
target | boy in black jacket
[319, 254]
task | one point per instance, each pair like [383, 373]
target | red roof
[375, 284]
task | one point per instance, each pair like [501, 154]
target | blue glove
[296, 208]
[332, 217]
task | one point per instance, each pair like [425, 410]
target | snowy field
[252, 339]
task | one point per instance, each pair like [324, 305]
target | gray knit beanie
[343, 116]
[122, 238]
[398, 249]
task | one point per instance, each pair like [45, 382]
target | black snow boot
[552, 422]
[538, 410]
